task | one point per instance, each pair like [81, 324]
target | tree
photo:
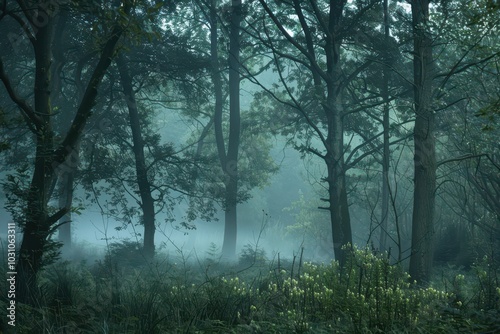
[66, 180]
[425, 143]
[438, 86]
[386, 127]
[314, 50]
[229, 160]
[147, 202]
[37, 22]
[132, 164]
[147, 166]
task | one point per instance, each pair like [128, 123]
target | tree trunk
[217, 81]
[229, 160]
[229, 228]
[230, 220]
[231, 167]
[67, 175]
[66, 183]
[424, 139]
[386, 152]
[331, 103]
[47, 159]
[338, 204]
[36, 229]
[147, 201]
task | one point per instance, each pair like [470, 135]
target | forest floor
[121, 293]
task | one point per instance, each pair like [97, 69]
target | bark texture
[147, 201]
[424, 140]
[228, 160]
[386, 127]
[339, 210]
[50, 158]
[329, 85]
[231, 168]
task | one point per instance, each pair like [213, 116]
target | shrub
[368, 295]
[250, 256]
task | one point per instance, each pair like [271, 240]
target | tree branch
[22, 104]
[88, 100]
[461, 158]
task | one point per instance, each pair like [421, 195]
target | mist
[249, 166]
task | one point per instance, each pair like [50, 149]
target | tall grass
[171, 295]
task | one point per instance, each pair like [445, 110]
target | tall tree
[425, 145]
[228, 159]
[59, 99]
[131, 164]
[37, 22]
[437, 84]
[230, 163]
[147, 202]
[386, 128]
[317, 50]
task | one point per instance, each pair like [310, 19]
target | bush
[250, 256]
[368, 295]
[125, 253]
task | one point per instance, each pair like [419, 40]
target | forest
[250, 166]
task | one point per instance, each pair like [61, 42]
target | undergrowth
[257, 295]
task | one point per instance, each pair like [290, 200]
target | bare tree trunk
[231, 167]
[229, 160]
[231, 222]
[386, 152]
[230, 227]
[147, 201]
[338, 205]
[66, 176]
[217, 81]
[424, 138]
[339, 210]
[66, 183]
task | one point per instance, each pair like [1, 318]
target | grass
[256, 295]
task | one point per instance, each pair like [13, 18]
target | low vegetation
[258, 295]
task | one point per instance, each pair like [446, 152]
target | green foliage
[489, 112]
[255, 165]
[368, 296]
[125, 253]
[252, 256]
[487, 271]
[473, 297]
[16, 191]
[310, 225]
